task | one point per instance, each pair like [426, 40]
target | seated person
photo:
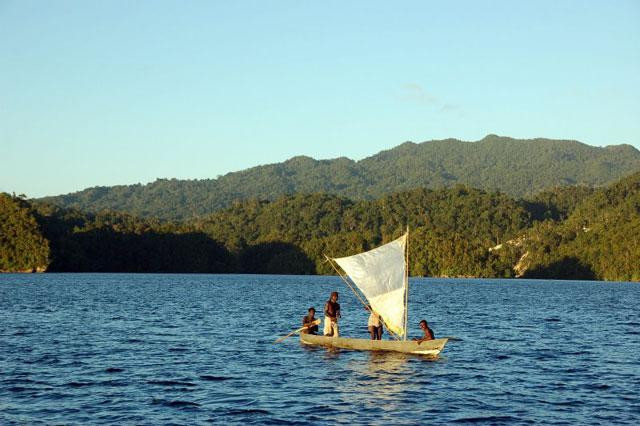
[428, 333]
[308, 321]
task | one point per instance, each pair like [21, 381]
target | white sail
[380, 275]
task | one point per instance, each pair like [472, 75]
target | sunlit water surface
[188, 349]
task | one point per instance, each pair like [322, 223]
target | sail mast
[406, 286]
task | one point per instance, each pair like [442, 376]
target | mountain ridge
[518, 167]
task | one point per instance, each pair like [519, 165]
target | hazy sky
[109, 92]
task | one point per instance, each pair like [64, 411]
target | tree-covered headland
[22, 245]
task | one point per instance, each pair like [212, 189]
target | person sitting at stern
[428, 333]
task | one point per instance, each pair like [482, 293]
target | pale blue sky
[119, 92]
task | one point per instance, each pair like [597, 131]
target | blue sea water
[191, 349]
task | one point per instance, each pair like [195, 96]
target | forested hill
[600, 239]
[516, 167]
[570, 232]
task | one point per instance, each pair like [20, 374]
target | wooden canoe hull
[430, 347]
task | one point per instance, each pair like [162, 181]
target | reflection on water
[380, 384]
[379, 381]
[387, 363]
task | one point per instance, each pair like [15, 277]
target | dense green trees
[117, 242]
[22, 246]
[566, 232]
[599, 240]
[452, 229]
[557, 203]
[515, 167]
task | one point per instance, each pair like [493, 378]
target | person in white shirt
[374, 324]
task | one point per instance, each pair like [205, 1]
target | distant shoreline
[304, 275]
[573, 232]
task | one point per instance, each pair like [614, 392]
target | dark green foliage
[515, 167]
[275, 258]
[22, 246]
[568, 233]
[452, 230]
[602, 236]
[566, 268]
[116, 242]
[557, 203]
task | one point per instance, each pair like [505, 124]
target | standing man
[331, 315]
[374, 324]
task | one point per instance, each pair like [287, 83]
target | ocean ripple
[198, 349]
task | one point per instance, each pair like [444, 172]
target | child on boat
[428, 333]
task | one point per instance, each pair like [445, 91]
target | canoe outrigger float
[381, 277]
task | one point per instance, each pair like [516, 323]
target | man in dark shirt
[331, 315]
[308, 321]
[428, 333]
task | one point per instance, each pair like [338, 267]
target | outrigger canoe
[430, 347]
[381, 277]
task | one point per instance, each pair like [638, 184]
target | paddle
[280, 339]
